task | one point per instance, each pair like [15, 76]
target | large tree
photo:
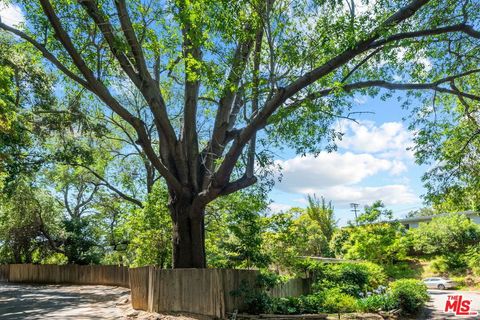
[214, 73]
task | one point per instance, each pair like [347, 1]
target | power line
[354, 207]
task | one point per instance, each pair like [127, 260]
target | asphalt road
[436, 307]
[60, 302]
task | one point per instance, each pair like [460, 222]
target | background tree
[284, 240]
[372, 238]
[30, 222]
[422, 212]
[322, 213]
[225, 70]
[453, 233]
[374, 213]
[451, 242]
[235, 229]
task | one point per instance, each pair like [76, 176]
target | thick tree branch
[464, 28]
[109, 34]
[400, 86]
[131, 37]
[226, 104]
[249, 170]
[191, 52]
[242, 183]
[53, 245]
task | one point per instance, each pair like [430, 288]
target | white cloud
[394, 194]
[306, 174]
[367, 151]
[389, 140]
[11, 15]
[398, 167]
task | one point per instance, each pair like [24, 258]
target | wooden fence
[71, 274]
[198, 291]
[205, 292]
[292, 288]
[4, 272]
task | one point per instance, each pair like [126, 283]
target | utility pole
[354, 207]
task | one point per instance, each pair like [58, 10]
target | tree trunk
[188, 236]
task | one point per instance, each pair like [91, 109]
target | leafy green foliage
[350, 278]
[453, 233]
[337, 301]
[450, 144]
[80, 241]
[371, 238]
[255, 296]
[298, 305]
[410, 294]
[234, 231]
[322, 214]
[301, 232]
[28, 219]
[377, 302]
[149, 230]
[404, 269]
[374, 213]
[382, 243]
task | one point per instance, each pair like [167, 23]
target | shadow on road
[58, 302]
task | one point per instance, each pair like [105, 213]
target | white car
[439, 283]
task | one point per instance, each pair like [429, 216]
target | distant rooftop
[428, 218]
[330, 260]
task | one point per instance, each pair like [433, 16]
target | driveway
[436, 307]
[21, 301]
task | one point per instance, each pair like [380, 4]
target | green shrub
[402, 270]
[289, 305]
[350, 278]
[473, 259]
[313, 303]
[255, 297]
[297, 305]
[461, 282]
[449, 264]
[376, 274]
[379, 302]
[410, 294]
[334, 300]
[255, 300]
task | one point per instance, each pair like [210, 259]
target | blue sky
[372, 163]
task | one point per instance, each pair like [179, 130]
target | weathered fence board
[232, 281]
[71, 274]
[198, 291]
[4, 272]
[139, 287]
[292, 288]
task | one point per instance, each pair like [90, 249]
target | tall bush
[410, 295]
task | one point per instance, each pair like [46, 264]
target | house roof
[428, 218]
